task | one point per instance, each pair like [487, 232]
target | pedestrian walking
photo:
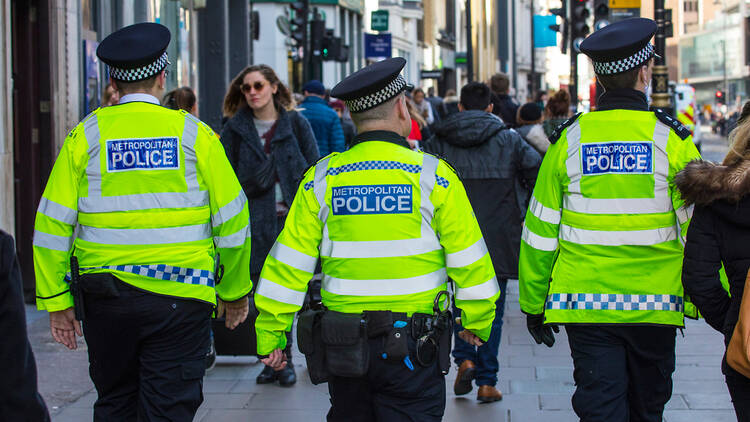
[503, 105]
[529, 120]
[269, 145]
[141, 216]
[436, 102]
[423, 106]
[490, 157]
[19, 397]
[110, 96]
[601, 251]
[556, 112]
[182, 98]
[324, 121]
[373, 214]
[450, 104]
[719, 234]
[418, 125]
[350, 131]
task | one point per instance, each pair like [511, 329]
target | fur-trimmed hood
[702, 182]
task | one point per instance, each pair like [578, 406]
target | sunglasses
[245, 88]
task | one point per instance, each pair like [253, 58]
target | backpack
[738, 351]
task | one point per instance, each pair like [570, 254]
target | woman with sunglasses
[269, 145]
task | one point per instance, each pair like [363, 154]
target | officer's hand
[64, 327]
[276, 360]
[540, 332]
[470, 338]
[236, 311]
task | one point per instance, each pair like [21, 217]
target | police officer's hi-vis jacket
[390, 225]
[153, 198]
[602, 240]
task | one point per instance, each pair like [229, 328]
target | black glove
[540, 332]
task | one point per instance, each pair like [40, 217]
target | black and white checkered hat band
[623, 65]
[375, 99]
[141, 73]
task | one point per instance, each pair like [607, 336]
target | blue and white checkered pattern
[614, 302]
[141, 73]
[165, 272]
[377, 165]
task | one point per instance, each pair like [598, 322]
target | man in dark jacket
[491, 158]
[503, 105]
[19, 398]
[324, 121]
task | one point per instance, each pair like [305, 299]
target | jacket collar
[380, 135]
[623, 99]
[314, 99]
[140, 97]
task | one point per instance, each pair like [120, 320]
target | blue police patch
[617, 157]
[371, 199]
[143, 154]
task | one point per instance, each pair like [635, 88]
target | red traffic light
[719, 94]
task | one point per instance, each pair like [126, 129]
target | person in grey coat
[270, 145]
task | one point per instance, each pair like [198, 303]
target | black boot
[287, 376]
[267, 376]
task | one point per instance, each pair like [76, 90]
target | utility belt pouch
[379, 323]
[444, 325]
[101, 285]
[396, 346]
[310, 343]
[345, 338]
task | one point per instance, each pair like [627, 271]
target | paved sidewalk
[536, 381]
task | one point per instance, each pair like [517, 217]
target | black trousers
[622, 373]
[147, 355]
[390, 392]
[739, 390]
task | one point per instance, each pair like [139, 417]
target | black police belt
[338, 344]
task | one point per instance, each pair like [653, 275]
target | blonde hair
[739, 144]
[414, 113]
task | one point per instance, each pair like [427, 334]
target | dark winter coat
[325, 123]
[19, 398]
[293, 150]
[719, 233]
[505, 107]
[490, 158]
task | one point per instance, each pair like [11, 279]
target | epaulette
[198, 122]
[673, 123]
[312, 166]
[564, 125]
[447, 163]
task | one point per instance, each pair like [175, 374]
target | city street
[537, 382]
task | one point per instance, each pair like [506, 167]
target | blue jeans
[484, 357]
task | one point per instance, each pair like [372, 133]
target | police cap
[136, 52]
[373, 85]
[620, 46]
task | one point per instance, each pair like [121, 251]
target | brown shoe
[488, 394]
[463, 379]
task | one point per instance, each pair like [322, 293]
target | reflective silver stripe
[481, 291]
[390, 287]
[230, 210]
[377, 248]
[684, 213]
[94, 168]
[467, 256]
[52, 241]
[234, 240]
[59, 212]
[319, 187]
[548, 215]
[293, 257]
[189, 135]
[143, 201]
[617, 238]
[158, 236]
[573, 163]
[279, 293]
[538, 242]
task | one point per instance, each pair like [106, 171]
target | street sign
[624, 4]
[379, 20]
[378, 46]
[618, 14]
[431, 74]
[544, 36]
[461, 59]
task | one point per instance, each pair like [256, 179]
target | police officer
[390, 225]
[601, 250]
[144, 199]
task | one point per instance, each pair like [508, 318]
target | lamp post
[660, 78]
[469, 46]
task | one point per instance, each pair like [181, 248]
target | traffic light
[563, 28]
[333, 48]
[317, 34]
[601, 14]
[579, 27]
[298, 22]
[720, 97]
